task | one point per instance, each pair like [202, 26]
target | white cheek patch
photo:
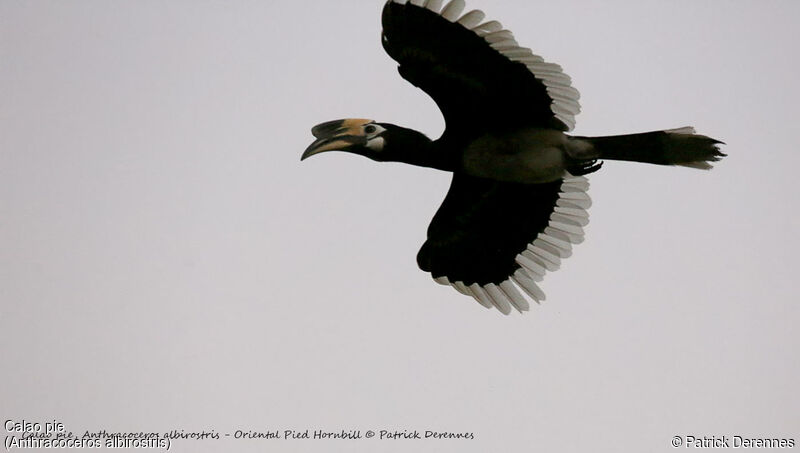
[376, 144]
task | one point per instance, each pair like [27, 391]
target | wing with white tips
[495, 240]
[475, 70]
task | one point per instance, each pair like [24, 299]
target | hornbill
[518, 199]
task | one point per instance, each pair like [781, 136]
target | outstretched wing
[475, 71]
[490, 238]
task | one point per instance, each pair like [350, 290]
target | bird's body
[527, 155]
[518, 200]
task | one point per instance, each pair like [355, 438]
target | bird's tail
[671, 147]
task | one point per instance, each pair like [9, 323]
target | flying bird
[518, 198]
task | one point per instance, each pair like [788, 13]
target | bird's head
[358, 136]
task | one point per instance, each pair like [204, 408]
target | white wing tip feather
[688, 130]
[434, 5]
[472, 18]
[453, 10]
[498, 297]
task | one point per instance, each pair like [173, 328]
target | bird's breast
[526, 156]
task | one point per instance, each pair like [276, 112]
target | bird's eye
[370, 129]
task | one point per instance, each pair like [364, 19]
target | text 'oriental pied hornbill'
[518, 199]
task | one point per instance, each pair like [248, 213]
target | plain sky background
[166, 261]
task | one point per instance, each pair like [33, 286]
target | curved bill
[339, 135]
[340, 143]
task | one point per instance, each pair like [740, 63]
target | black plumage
[517, 202]
[480, 226]
[477, 89]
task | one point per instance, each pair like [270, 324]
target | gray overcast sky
[166, 261]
